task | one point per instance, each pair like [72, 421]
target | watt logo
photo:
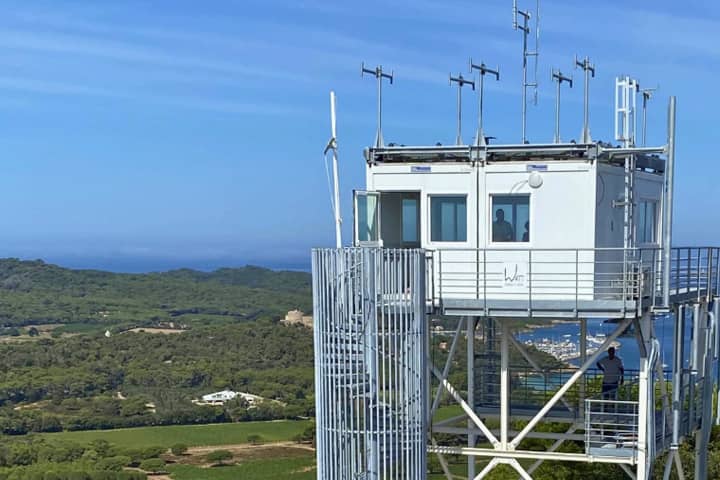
[514, 275]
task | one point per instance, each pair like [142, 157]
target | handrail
[633, 278]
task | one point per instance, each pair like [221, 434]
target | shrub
[153, 465]
[179, 449]
[218, 457]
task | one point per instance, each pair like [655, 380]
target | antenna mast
[647, 94]
[332, 145]
[589, 69]
[460, 80]
[379, 74]
[558, 77]
[525, 29]
[483, 69]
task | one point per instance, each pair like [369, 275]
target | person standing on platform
[613, 374]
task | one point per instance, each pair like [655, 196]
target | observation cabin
[513, 229]
[457, 247]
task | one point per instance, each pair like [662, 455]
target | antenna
[525, 29]
[460, 80]
[589, 69]
[558, 77]
[379, 74]
[626, 90]
[647, 94]
[332, 145]
[483, 69]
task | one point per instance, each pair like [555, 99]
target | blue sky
[172, 133]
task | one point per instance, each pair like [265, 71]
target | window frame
[642, 205]
[491, 219]
[430, 197]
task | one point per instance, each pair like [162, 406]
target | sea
[628, 349]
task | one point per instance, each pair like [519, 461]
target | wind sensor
[379, 75]
[483, 69]
[647, 94]
[460, 80]
[525, 29]
[589, 69]
[558, 77]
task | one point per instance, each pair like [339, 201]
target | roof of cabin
[649, 158]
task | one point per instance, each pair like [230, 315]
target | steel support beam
[471, 387]
[466, 408]
[530, 455]
[571, 381]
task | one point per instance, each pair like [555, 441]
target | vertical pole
[336, 188]
[471, 388]
[668, 203]
[458, 139]
[644, 405]
[586, 108]
[644, 120]
[524, 90]
[583, 359]
[379, 142]
[557, 113]
[504, 384]
[480, 139]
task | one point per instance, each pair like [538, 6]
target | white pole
[336, 188]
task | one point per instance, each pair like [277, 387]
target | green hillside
[34, 292]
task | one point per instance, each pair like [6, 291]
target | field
[301, 468]
[190, 435]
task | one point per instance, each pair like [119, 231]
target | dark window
[448, 219]
[510, 218]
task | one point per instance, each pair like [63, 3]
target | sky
[145, 135]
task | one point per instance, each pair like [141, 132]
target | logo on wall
[515, 274]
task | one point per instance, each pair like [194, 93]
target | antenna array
[483, 69]
[589, 69]
[379, 74]
[525, 29]
[460, 80]
[647, 94]
[558, 77]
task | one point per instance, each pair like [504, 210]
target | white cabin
[526, 222]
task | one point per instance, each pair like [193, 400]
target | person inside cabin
[502, 230]
[613, 374]
[526, 234]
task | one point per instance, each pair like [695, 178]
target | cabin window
[448, 219]
[647, 222]
[367, 216]
[410, 214]
[510, 218]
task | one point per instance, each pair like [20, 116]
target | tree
[153, 465]
[33, 332]
[179, 449]
[255, 439]
[218, 457]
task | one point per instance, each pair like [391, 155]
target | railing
[572, 276]
[611, 428]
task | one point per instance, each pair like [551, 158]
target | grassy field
[265, 469]
[190, 435]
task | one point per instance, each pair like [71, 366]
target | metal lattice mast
[525, 29]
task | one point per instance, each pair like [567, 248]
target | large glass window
[448, 219]
[647, 221]
[410, 216]
[510, 218]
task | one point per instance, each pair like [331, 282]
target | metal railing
[611, 428]
[571, 276]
